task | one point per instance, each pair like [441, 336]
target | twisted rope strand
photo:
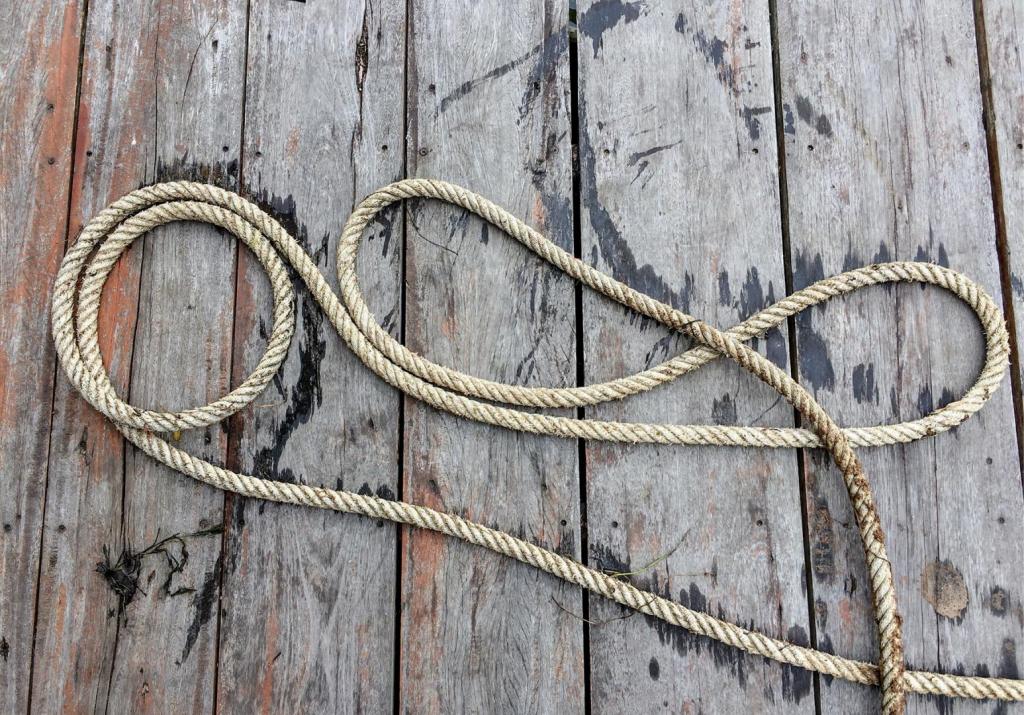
[89, 261]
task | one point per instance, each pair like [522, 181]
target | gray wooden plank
[1004, 27]
[161, 98]
[886, 159]
[37, 100]
[489, 108]
[309, 597]
[680, 199]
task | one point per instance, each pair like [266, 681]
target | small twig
[623, 574]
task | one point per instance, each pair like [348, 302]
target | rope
[90, 259]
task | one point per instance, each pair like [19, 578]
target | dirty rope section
[89, 261]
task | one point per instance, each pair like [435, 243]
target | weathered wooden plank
[1004, 27]
[489, 108]
[680, 199]
[309, 598]
[37, 101]
[886, 159]
[160, 99]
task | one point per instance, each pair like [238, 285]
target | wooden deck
[714, 155]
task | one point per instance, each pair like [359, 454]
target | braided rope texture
[89, 260]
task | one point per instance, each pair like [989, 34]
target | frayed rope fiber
[89, 261]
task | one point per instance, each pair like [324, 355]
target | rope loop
[88, 264]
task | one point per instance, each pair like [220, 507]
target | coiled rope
[90, 259]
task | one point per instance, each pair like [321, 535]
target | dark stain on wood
[723, 411]
[807, 114]
[864, 387]
[684, 642]
[637, 156]
[724, 289]
[796, 682]
[788, 124]
[751, 294]
[750, 119]
[815, 366]
[549, 49]
[603, 15]
[203, 605]
[1008, 660]
[305, 396]
[613, 246]
[713, 49]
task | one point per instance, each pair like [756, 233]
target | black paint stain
[613, 246]
[724, 291]
[815, 366]
[550, 48]
[637, 156]
[796, 682]
[864, 387]
[603, 15]
[713, 50]
[750, 118]
[383, 491]
[807, 270]
[808, 116]
[1008, 660]
[683, 642]
[653, 668]
[203, 603]
[776, 342]
[1017, 285]
[751, 295]
[543, 75]
[222, 173]
[605, 559]
[788, 125]
[305, 395]
[925, 403]
[723, 411]
[925, 255]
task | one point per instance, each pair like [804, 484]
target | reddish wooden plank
[161, 97]
[489, 108]
[37, 103]
[309, 599]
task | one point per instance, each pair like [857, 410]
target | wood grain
[489, 108]
[886, 159]
[680, 199]
[309, 597]
[1004, 27]
[161, 94]
[37, 102]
